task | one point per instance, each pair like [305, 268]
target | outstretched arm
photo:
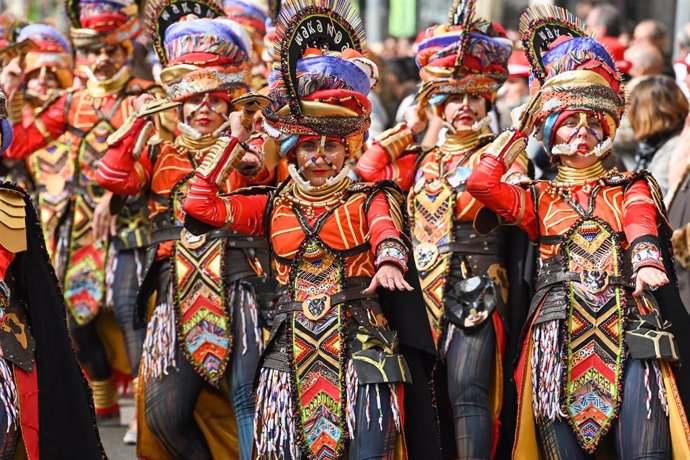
[385, 231]
[640, 217]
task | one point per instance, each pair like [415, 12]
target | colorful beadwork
[645, 252]
[432, 211]
[52, 166]
[594, 360]
[85, 275]
[203, 321]
[317, 353]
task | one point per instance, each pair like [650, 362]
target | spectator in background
[515, 91]
[380, 118]
[680, 67]
[605, 21]
[658, 109]
[390, 48]
[401, 77]
[655, 33]
[645, 59]
[583, 7]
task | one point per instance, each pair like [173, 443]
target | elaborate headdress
[200, 50]
[570, 72]
[320, 78]
[103, 21]
[252, 14]
[463, 56]
[10, 26]
[53, 52]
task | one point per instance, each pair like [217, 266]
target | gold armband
[122, 130]
[15, 107]
[218, 164]
[507, 146]
[396, 140]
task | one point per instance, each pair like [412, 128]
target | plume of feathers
[161, 14]
[540, 26]
[327, 25]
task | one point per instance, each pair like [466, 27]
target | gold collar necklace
[569, 178]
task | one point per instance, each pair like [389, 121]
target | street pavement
[111, 436]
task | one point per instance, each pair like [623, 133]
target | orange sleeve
[119, 172]
[376, 164]
[510, 202]
[385, 232]
[640, 218]
[242, 213]
[640, 214]
[32, 133]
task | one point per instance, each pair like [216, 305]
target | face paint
[215, 105]
[320, 153]
[584, 122]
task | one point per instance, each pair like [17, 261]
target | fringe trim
[547, 370]
[274, 424]
[248, 299]
[648, 399]
[139, 263]
[110, 268]
[159, 345]
[351, 388]
[8, 395]
[450, 333]
[395, 406]
[663, 399]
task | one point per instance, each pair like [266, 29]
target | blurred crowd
[650, 132]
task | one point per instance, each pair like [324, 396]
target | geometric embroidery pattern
[594, 331]
[203, 320]
[85, 276]
[432, 212]
[317, 355]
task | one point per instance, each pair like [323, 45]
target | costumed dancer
[47, 74]
[14, 170]
[102, 32]
[459, 246]
[330, 378]
[598, 346]
[45, 402]
[252, 14]
[204, 330]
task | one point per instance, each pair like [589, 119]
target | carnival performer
[252, 14]
[47, 74]
[45, 409]
[330, 376]
[102, 33]
[597, 345]
[202, 284]
[459, 246]
[14, 170]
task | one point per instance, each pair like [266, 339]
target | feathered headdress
[463, 56]
[200, 50]
[52, 51]
[98, 21]
[320, 78]
[570, 70]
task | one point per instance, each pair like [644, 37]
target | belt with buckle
[235, 240]
[594, 281]
[316, 306]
